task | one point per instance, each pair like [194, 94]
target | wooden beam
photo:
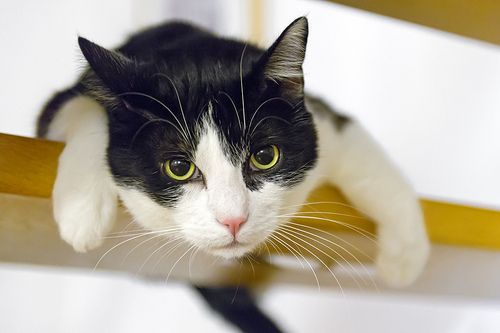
[478, 19]
[28, 168]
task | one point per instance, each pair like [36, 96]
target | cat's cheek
[145, 211]
[265, 208]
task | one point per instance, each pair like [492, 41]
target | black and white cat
[218, 139]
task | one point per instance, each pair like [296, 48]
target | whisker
[277, 249]
[301, 255]
[241, 84]
[298, 232]
[126, 227]
[136, 93]
[147, 123]
[141, 232]
[238, 285]
[281, 231]
[167, 242]
[264, 103]
[335, 236]
[291, 250]
[251, 265]
[114, 247]
[191, 259]
[269, 117]
[178, 99]
[268, 252]
[234, 106]
[180, 241]
[368, 235]
[331, 213]
[364, 214]
[177, 261]
[145, 241]
[324, 203]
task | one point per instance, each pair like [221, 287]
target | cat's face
[208, 138]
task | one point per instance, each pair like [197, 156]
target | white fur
[84, 195]
[355, 163]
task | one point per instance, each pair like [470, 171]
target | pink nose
[233, 224]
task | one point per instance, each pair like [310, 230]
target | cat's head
[208, 137]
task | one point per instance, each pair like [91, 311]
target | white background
[430, 98]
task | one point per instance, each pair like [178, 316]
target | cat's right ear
[284, 59]
[112, 67]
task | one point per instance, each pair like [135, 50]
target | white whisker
[292, 250]
[261, 105]
[368, 235]
[281, 231]
[160, 234]
[241, 85]
[177, 261]
[180, 241]
[234, 107]
[179, 100]
[300, 232]
[136, 93]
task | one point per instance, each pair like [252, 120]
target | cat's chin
[230, 251]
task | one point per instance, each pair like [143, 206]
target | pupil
[265, 155]
[179, 167]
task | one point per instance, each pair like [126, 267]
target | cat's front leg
[84, 195]
[374, 185]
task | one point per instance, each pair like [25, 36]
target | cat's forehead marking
[224, 180]
[211, 151]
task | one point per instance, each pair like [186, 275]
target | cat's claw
[402, 261]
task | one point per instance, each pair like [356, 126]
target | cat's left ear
[285, 57]
[114, 69]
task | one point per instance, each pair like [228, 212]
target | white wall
[432, 99]
[39, 47]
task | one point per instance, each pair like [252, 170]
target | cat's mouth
[231, 245]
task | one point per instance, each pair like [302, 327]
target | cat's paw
[83, 224]
[402, 259]
[83, 218]
[84, 198]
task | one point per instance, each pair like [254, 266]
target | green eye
[179, 169]
[265, 158]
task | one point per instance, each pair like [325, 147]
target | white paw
[84, 198]
[84, 218]
[402, 259]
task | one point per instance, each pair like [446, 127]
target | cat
[218, 138]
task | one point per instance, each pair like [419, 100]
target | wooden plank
[28, 167]
[478, 19]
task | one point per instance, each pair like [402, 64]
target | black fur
[52, 106]
[201, 68]
[238, 306]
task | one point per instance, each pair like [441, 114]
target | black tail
[237, 306]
